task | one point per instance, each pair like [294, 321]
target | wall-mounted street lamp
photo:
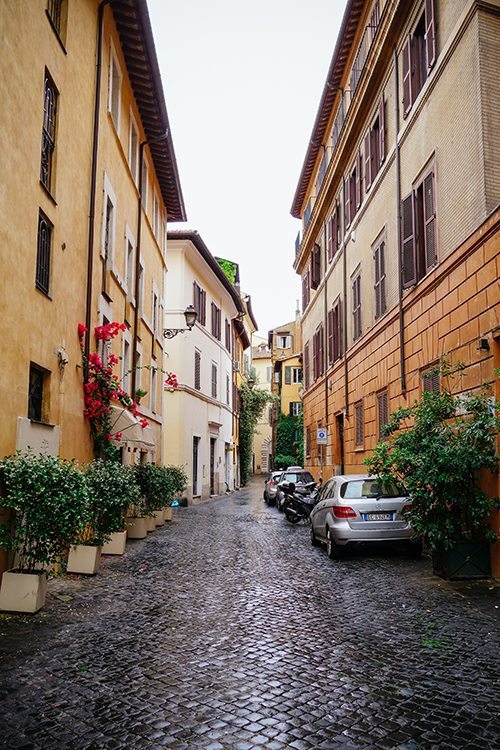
[251, 381]
[190, 315]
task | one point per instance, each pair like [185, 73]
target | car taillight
[343, 511]
[406, 508]
[271, 483]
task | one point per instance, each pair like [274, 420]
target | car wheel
[314, 539]
[414, 549]
[332, 548]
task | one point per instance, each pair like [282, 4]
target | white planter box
[23, 592]
[159, 517]
[116, 545]
[137, 528]
[84, 558]
[150, 523]
[168, 513]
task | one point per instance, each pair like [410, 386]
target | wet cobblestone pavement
[227, 630]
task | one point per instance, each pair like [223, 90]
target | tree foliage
[289, 440]
[253, 402]
[436, 449]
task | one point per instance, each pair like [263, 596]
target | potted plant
[47, 498]
[112, 489]
[437, 448]
[174, 482]
[149, 479]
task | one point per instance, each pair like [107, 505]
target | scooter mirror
[291, 488]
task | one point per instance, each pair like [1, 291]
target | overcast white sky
[242, 81]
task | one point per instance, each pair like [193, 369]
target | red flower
[144, 423]
[118, 436]
[81, 330]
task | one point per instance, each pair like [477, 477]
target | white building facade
[198, 423]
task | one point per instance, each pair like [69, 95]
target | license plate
[378, 516]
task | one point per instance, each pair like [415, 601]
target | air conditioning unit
[236, 365]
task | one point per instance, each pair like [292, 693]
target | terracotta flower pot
[84, 558]
[137, 527]
[116, 545]
[23, 592]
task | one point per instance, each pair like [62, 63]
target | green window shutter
[288, 375]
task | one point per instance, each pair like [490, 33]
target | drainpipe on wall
[161, 137]
[93, 181]
[325, 349]
[400, 244]
[346, 372]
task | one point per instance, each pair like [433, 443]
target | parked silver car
[271, 487]
[356, 508]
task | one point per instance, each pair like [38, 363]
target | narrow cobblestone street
[226, 629]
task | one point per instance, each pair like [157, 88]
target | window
[318, 353]
[375, 146]
[200, 303]
[48, 131]
[228, 390]
[293, 375]
[356, 307]
[228, 335]
[418, 213]
[296, 408]
[214, 380]
[133, 148]
[283, 342]
[335, 333]
[145, 185]
[126, 366]
[307, 441]
[197, 369]
[216, 321]
[379, 262]
[108, 240]
[43, 253]
[154, 380]
[430, 380]
[306, 289]
[382, 413]
[54, 10]
[419, 55]
[269, 374]
[36, 389]
[130, 269]
[359, 426]
[115, 82]
[353, 191]
[332, 233]
[316, 266]
[156, 215]
[306, 366]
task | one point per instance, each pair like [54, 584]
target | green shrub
[48, 499]
[283, 462]
[112, 488]
[159, 485]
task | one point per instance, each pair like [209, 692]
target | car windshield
[298, 478]
[369, 488]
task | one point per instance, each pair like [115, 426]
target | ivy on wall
[253, 402]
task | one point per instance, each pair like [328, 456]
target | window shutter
[288, 375]
[306, 365]
[331, 321]
[197, 370]
[359, 431]
[377, 283]
[383, 412]
[381, 262]
[196, 300]
[214, 381]
[381, 120]
[321, 351]
[429, 222]
[430, 34]
[409, 260]
[368, 171]
[203, 307]
[315, 356]
[358, 180]
[406, 77]
[335, 229]
[329, 237]
[347, 202]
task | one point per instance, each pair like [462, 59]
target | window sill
[54, 29]
[48, 193]
[359, 449]
[41, 422]
[45, 293]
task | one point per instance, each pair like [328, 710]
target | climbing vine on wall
[253, 402]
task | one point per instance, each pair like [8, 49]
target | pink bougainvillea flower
[144, 423]
[118, 436]
[82, 330]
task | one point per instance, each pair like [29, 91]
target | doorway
[196, 450]
[212, 465]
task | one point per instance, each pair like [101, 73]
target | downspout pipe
[93, 182]
[346, 367]
[142, 146]
[325, 349]
[400, 242]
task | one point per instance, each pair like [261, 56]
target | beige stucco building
[199, 414]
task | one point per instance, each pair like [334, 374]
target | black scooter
[298, 503]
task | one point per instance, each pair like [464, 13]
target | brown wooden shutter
[358, 181]
[197, 370]
[329, 237]
[347, 202]
[381, 120]
[368, 171]
[429, 222]
[430, 34]
[335, 229]
[383, 412]
[383, 305]
[306, 365]
[409, 259]
[377, 283]
[214, 381]
[330, 324]
[196, 299]
[359, 431]
[305, 289]
[321, 353]
[203, 307]
[407, 77]
[341, 329]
